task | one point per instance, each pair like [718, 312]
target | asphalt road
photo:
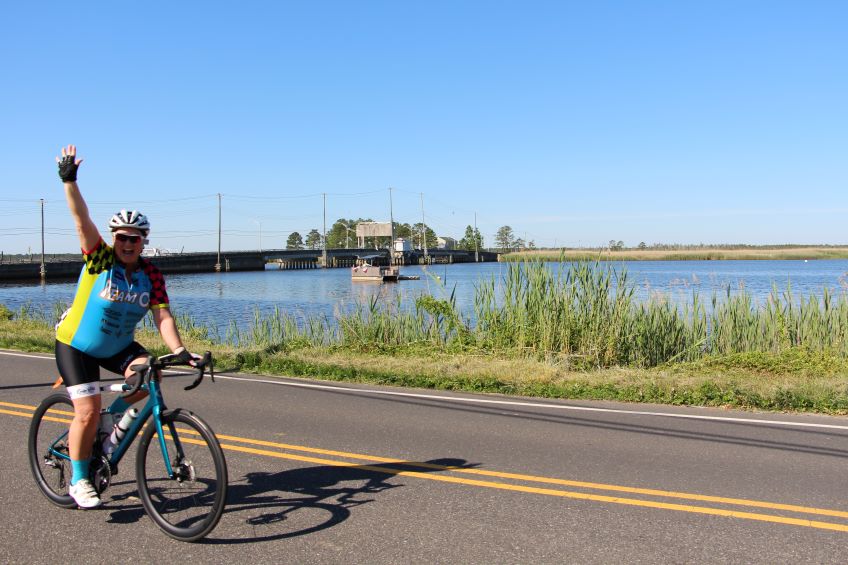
[331, 473]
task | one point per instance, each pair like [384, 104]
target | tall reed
[583, 314]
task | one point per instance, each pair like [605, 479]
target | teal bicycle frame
[154, 406]
[184, 492]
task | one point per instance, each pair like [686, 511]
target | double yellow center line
[648, 498]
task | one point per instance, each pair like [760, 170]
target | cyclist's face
[128, 243]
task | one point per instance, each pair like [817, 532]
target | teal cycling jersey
[109, 303]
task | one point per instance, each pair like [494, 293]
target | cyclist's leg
[120, 363]
[81, 375]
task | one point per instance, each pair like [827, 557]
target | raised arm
[68, 165]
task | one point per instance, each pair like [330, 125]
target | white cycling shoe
[84, 494]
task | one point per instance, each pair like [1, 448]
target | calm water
[218, 298]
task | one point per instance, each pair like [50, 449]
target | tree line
[342, 234]
[506, 239]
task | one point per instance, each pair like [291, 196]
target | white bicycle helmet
[130, 219]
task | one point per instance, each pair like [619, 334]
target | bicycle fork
[158, 409]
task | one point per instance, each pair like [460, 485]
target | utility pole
[392, 226]
[476, 250]
[347, 234]
[423, 230]
[218, 264]
[43, 270]
[325, 230]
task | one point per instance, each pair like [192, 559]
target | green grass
[572, 332]
[796, 380]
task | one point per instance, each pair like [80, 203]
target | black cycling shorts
[77, 368]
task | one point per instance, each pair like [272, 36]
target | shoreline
[801, 253]
[799, 381]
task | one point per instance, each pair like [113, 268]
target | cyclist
[116, 288]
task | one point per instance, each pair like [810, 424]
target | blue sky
[572, 122]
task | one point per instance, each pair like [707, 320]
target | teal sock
[79, 469]
[120, 405]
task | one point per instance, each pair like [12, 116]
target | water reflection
[217, 298]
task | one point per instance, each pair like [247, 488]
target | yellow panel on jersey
[109, 304]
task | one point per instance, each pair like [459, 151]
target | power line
[352, 194]
[157, 201]
[251, 197]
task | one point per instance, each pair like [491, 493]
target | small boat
[367, 269]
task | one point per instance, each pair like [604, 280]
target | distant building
[372, 229]
[157, 252]
[445, 243]
[403, 245]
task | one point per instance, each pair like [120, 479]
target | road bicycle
[180, 467]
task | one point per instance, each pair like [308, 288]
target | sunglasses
[130, 238]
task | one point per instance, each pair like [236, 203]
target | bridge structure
[287, 259]
[310, 259]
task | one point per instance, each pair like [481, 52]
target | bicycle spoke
[182, 478]
[48, 449]
[189, 502]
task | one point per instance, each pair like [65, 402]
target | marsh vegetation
[576, 331]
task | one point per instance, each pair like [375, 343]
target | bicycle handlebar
[152, 365]
[201, 364]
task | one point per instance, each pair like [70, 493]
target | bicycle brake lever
[140, 370]
[206, 361]
[135, 388]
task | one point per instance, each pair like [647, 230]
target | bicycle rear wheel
[188, 505]
[48, 433]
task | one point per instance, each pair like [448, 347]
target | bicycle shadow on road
[298, 501]
[305, 500]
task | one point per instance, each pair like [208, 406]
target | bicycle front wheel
[188, 504]
[48, 449]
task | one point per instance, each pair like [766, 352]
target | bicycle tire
[52, 474]
[190, 505]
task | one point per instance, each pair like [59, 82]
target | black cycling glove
[184, 355]
[68, 169]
